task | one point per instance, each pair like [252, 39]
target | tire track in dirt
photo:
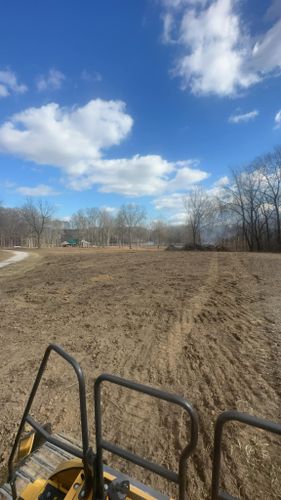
[227, 337]
[139, 418]
[201, 358]
[162, 357]
[186, 322]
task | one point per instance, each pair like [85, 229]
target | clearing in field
[202, 325]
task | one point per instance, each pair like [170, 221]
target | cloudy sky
[104, 103]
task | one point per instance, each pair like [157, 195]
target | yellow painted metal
[69, 479]
[67, 472]
[76, 487]
[135, 493]
[25, 445]
[33, 490]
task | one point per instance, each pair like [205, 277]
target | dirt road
[11, 257]
[203, 325]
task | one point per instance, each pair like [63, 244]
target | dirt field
[203, 325]
[4, 255]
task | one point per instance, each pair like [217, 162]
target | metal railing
[27, 418]
[233, 416]
[93, 464]
[177, 477]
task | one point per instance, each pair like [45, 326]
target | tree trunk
[38, 237]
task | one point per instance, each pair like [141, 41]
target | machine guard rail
[43, 432]
[234, 416]
[180, 477]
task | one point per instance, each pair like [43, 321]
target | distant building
[84, 244]
[72, 242]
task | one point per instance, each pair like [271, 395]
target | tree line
[245, 214]
[242, 215]
[34, 225]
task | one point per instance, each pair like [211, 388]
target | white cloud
[146, 175]
[168, 27]
[217, 189]
[178, 218]
[266, 51]
[76, 140]
[171, 202]
[52, 81]
[91, 76]
[3, 90]
[66, 218]
[222, 181]
[67, 138]
[111, 210]
[218, 55]
[40, 190]
[187, 174]
[244, 117]
[176, 4]
[277, 119]
[136, 176]
[9, 84]
[173, 205]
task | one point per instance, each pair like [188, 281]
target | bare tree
[200, 211]
[132, 216]
[246, 198]
[37, 215]
[105, 227]
[120, 228]
[93, 215]
[79, 222]
[159, 232]
[270, 168]
[53, 232]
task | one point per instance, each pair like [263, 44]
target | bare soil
[203, 325]
[4, 255]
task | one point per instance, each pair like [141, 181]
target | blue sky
[104, 103]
